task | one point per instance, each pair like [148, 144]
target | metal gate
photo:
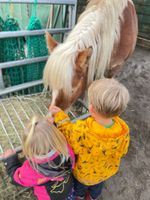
[71, 6]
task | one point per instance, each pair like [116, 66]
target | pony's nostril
[72, 91]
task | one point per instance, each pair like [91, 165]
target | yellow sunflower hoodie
[98, 149]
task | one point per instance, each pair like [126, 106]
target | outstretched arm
[22, 174]
[11, 163]
[72, 131]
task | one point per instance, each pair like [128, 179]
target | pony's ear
[51, 43]
[82, 57]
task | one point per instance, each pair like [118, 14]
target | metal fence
[16, 111]
[72, 7]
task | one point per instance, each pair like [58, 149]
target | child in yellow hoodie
[99, 141]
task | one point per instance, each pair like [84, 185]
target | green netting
[36, 46]
[1, 41]
[60, 20]
[27, 47]
[13, 50]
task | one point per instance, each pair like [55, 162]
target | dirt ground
[133, 180]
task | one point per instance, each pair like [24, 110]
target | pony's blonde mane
[98, 27]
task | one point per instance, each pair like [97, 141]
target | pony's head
[96, 46]
[65, 72]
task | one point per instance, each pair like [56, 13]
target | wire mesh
[14, 113]
[13, 50]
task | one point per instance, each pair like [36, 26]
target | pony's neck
[98, 27]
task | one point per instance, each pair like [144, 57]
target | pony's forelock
[59, 68]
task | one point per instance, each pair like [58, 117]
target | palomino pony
[102, 40]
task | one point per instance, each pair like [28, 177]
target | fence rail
[8, 34]
[59, 2]
[5, 65]
[20, 87]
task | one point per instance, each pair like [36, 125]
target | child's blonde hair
[108, 97]
[40, 137]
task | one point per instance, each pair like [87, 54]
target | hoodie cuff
[61, 117]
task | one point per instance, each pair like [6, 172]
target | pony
[102, 40]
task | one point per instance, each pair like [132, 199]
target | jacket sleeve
[74, 132]
[12, 163]
[23, 175]
[123, 146]
[125, 139]
[126, 144]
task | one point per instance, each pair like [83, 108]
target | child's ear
[91, 109]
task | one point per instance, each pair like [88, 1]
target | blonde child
[48, 165]
[100, 141]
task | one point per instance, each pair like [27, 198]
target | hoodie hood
[55, 168]
[118, 128]
[111, 139]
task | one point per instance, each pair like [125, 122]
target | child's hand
[50, 118]
[54, 109]
[8, 153]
